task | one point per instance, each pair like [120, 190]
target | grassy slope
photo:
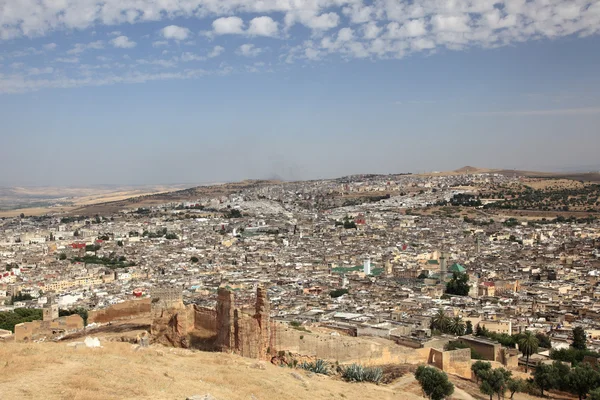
[117, 371]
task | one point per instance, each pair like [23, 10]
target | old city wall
[455, 362]
[124, 310]
[205, 319]
[343, 349]
[35, 330]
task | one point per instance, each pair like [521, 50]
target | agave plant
[358, 373]
[318, 367]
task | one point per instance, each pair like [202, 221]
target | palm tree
[528, 344]
[456, 326]
[440, 320]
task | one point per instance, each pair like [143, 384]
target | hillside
[118, 371]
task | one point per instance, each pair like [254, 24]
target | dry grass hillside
[118, 371]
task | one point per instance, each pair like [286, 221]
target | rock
[92, 342]
[207, 396]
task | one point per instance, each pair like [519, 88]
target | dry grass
[118, 371]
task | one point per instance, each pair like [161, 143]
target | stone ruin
[225, 328]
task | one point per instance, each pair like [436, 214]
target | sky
[197, 91]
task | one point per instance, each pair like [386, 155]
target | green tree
[544, 376]
[495, 381]
[579, 339]
[515, 386]
[480, 368]
[458, 285]
[434, 383]
[468, 328]
[528, 344]
[440, 320]
[544, 340]
[62, 256]
[456, 326]
[194, 259]
[582, 379]
[595, 394]
[120, 243]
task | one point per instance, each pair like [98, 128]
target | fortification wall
[126, 309]
[205, 319]
[343, 349]
[36, 330]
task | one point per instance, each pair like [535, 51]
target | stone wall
[455, 362]
[124, 310]
[367, 351]
[37, 330]
[205, 319]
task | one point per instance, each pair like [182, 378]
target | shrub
[358, 373]
[318, 367]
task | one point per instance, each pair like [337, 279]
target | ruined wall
[172, 326]
[36, 330]
[489, 351]
[124, 310]
[205, 319]
[225, 320]
[455, 362]
[343, 349]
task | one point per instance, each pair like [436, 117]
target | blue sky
[190, 91]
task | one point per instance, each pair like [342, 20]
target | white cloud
[40, 71]
[50, 46]
[263, 26]
[187, 57]
[81, 47]
[216, 51]
[228, 25]
[123, 42]
[68, 60]
[160, 43]
[249, 50]
[175, 32]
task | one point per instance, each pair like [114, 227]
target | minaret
[443, 269]
[478, 246]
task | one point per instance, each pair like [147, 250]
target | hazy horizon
[140, 93]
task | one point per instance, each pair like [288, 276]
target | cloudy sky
[190, 91]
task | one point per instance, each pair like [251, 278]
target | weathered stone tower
[50, 310]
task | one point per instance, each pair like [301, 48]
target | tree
[458, 285]
[434, 383]
[62, 256]
[456, 326]
[194, 259]
[469, 328]
[480, 368]
[544, 376]
[579, 339]
[561, 374]
[544, 340]
[120, 243]
[22, 215]
[515, 386]
[440, 320]
[494, 381]
[582, 379]
[595, 394]
[528, 345]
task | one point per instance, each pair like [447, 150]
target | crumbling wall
[225, 320]
[124, 310]
[37, 330]
[172, 326]
[205, 319]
